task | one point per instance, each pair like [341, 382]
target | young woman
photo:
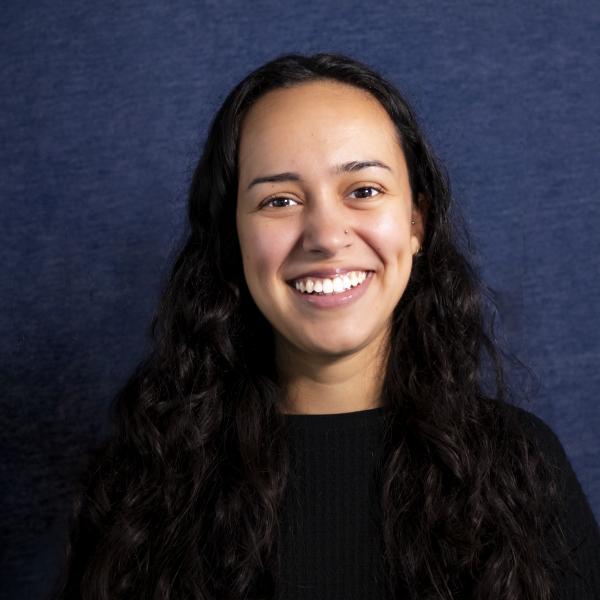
[317, 419]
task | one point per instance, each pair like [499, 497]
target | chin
[332, 346]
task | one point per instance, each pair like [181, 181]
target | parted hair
[184, 499]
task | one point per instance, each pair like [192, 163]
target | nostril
[326, 238]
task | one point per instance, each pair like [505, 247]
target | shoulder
[581, 578]
[545, 441]
[538, 432]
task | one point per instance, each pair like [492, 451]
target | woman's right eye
[278, 202]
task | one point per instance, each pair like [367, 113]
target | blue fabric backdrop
[103, 110]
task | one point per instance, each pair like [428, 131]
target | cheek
[263, 251]
[390, 234]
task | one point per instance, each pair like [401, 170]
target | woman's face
[316, 161]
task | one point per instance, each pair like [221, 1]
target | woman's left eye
[367, 188]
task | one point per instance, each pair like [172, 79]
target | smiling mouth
[327, 286]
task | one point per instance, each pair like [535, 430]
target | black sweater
[331, 541]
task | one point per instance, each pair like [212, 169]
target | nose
[324, 226]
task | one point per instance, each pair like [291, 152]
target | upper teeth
[310, 285]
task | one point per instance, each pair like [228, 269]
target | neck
[327, 385]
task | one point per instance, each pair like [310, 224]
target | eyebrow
[355, 165]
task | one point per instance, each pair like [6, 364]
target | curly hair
[184, 499]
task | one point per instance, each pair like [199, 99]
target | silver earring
[412, 222]
[345, 231]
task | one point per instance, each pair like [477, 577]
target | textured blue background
[103, 110]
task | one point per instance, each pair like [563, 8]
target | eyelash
[364, 187]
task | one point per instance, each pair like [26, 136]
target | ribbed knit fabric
[331, 539]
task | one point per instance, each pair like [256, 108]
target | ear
[417, 231]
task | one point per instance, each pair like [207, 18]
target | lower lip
[334, 300]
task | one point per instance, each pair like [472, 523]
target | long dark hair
[184, 499]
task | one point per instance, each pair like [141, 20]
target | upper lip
[328, 273]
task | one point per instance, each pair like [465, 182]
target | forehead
[328, 121]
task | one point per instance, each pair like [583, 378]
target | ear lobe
[419, 217]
